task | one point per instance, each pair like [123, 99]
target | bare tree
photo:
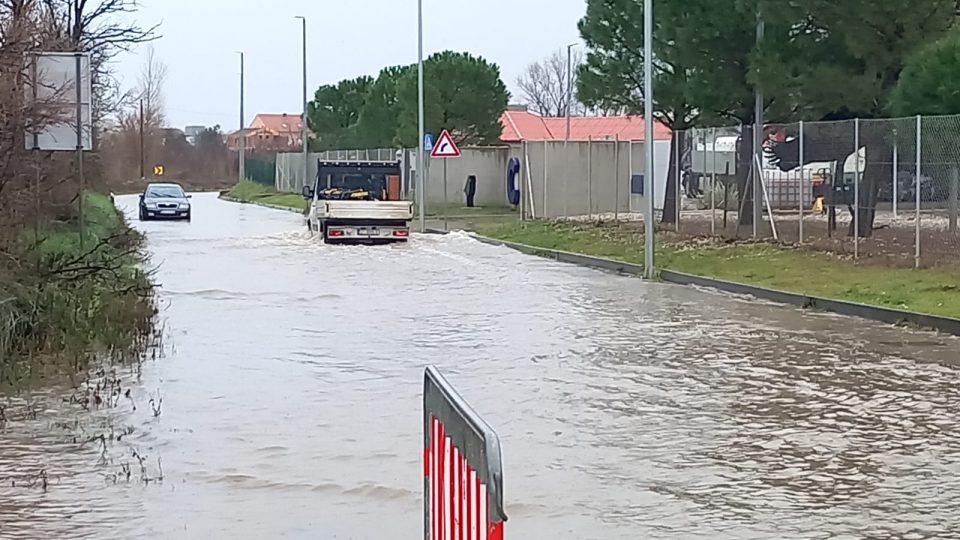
[103, 29]
[153, 76]
[545, 86]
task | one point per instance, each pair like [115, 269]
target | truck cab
[358, 202]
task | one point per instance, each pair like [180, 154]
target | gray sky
[345, 39]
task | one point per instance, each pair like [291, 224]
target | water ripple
[291, 402]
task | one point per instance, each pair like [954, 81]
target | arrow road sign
[445, 147]
[158, 170]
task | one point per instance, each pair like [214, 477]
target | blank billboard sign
[53, 84]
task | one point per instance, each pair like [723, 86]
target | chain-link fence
[884, 190]
[289, 175]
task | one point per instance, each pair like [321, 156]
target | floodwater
[291, 380]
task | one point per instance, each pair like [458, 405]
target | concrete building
[192, 132]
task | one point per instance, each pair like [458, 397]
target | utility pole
[303, 119]
[648, 225]
[758, 143]
[243, 133]
[142, 173]
[78, 58]
[421, 167]
[569, 85]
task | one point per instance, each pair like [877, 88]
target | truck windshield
[354, 180]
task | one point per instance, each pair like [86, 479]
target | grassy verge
[252, 192]
[63, 297]
[933, 291]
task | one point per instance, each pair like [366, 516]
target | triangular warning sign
[445, 147]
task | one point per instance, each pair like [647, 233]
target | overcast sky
[346, 38]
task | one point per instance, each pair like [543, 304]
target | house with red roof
[270, 133]
[519, 125]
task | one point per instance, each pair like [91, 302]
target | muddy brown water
[291, 381]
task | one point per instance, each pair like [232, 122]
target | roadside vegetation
[934, 291]
[249, 191]
[66, 300]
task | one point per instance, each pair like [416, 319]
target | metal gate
[463, 484]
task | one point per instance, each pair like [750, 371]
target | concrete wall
[580, 178]
[488, 164]
[573, 178]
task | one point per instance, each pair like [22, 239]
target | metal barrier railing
[463, 475]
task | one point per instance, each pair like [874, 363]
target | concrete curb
[599, 263]
[946, 325]
[225, 197]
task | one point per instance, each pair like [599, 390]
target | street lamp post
[243, 133]
[757, 187]
[303, 117]
[648, 120]
[569, 85]
[421, 168]
[566, 140]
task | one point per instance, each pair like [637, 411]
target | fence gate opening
[463, 475]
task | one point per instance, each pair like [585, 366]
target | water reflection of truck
[358, 202]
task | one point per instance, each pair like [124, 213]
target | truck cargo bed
[366, 210]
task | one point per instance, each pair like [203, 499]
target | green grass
[253, 192]
[101, 219]
[458, 216]
[61, 298]
[933, 291]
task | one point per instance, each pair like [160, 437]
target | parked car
[907, 188]
[164, 201]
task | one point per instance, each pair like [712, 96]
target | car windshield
[165, 192]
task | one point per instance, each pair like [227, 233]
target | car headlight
[152, 205]
[184, 206]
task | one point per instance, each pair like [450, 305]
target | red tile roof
[524, 125]
[278, 123]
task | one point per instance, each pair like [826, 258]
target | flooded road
[291, 381]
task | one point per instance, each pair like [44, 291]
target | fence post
[803, 177]
[545, 173]
[590, 177]
[954, 180]
[520, 179]
[916, 256]
[677, 177]
[462, 466]
[896, 173]
[616, 179]
[856, 189]
[713, 184]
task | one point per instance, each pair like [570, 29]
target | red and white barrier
[458, 505]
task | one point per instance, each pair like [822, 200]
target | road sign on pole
[445, 147]
[428, 142]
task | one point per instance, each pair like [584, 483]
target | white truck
[358, 202]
